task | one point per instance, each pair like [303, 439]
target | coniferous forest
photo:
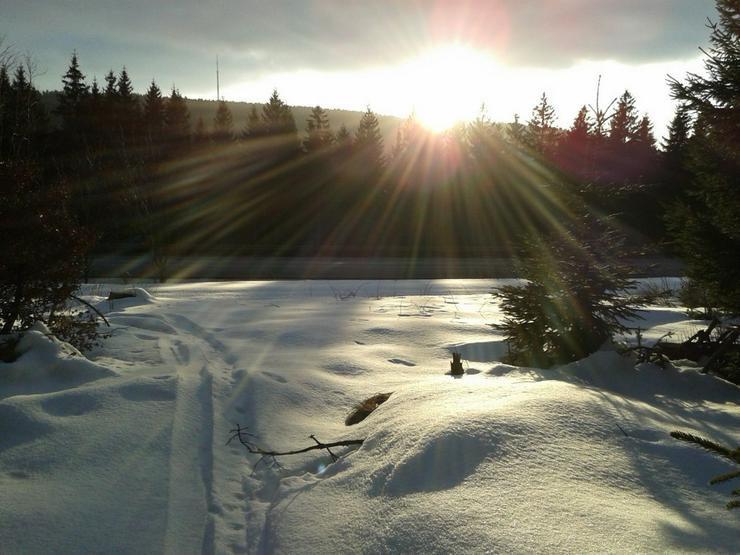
[144, 175]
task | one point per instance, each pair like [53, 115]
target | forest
[145, 176]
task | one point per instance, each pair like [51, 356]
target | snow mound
[500, 462]
[46, 364]
[136, 296]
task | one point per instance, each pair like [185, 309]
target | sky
[441, 59]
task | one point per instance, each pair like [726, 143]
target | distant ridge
[207, 110]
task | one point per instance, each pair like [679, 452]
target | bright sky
[440, 58]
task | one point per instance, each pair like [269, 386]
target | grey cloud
[259, 37]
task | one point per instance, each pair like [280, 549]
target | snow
[125, 451]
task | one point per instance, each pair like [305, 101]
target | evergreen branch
[725, 477]
[708, 445]
[734, 504]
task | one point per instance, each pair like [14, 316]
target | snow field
[125, 452]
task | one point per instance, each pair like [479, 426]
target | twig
[243, 436]
[91, 307]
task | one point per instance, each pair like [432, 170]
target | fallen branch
[91, 307]
[244, 438]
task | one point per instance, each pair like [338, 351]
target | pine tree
[676, 144]
[517, 132]
[581, 128]
[72, 99]
[199, 135]
[111, 92]
[541, 130]
[368, 140]
[577, 295]
[5, 104]
[154, 111]
[318, 130]
[343, 137]
[644, 134]
[706, 225]
[623, 124]
[128, 105]
[27, 115]
[177, 117]
[254, 128]
[277, 117]
[223, 123]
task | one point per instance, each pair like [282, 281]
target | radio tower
[218, 89]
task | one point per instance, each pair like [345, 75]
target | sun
[447, 84]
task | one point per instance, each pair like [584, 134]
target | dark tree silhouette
[623, 124]
[154, 113]
[318, 131]
[72, 100]
[223, 123]
[541, 131]
[707, 224]
[177, 118]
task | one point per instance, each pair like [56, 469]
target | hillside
[206, 109]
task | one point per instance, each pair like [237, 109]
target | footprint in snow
[69, 405]
[148, 391]
[401, 361]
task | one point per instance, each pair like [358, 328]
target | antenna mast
[218, 88]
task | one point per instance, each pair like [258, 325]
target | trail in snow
[134, 441]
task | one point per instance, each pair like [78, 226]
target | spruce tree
[254, 127]
[318, 130]
[71, 101]
[199, 134]
[517, 132]
[154, 112]
[623, 123]
[706, 225]
[277, 117]
[128, 105]
[5, 104]
[177, 117]
[368, 140]
[111, 92]
[27, 115]
[581, 128]
[343, 136]
[676, 144]
[541, 130]
[644, 133]
[223, 123]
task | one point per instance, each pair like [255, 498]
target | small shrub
[577, 296]
[45, 255]
[696, 300]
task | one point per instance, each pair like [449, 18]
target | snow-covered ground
[126, 452]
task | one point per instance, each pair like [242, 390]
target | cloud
[261, 37]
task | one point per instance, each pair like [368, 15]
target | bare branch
[91, 307]
[245, 438]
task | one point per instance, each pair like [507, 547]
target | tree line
[266, 188]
